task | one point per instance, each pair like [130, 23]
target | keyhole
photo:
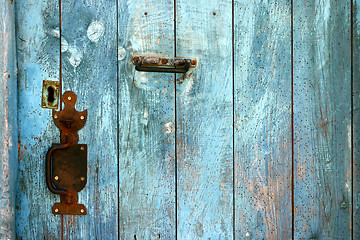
[51, 98]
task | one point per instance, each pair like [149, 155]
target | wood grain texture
[356, 119]
[8, 121]
[146, 118]
[38, 46]
[322, 119]
[89, 62]
[263, 136]
[204, 117]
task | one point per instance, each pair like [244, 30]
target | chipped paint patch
[144, 119]
[95, 31]
[121, 53]
[169, 128]
[188, 85]
[64, 44]
[55, 32]
[141, 80]
[75, 58]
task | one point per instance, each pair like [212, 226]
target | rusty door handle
[173, 69]
[48, 164]
[163, 64]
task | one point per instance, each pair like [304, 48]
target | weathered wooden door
[260, 141]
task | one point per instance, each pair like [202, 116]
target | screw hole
[51, 97]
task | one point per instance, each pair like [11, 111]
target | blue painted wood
[136, 120]
[204, 116]
[38, 45]
[263, 136]
[356, 119]
[322, 119]
[8, 121]
[89, 68]
[147, 123]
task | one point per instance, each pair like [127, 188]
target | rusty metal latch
[163, 64]
[66, 162]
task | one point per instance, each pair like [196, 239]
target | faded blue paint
[263, 119]
[38, 60]
[89, 68]
[133, 119]
[204, 121]
[146, 111]
[322, 119]
[8, 121]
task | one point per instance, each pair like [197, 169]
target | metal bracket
[66, 162]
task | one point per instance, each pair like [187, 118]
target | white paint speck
[121, 53]
[64, 44]
[169, 128]
[95, 31]
[75, 58]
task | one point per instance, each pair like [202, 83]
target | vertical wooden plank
[89, 67]
[147, 129]
[204, 117]
[8, 121]
[322, 119]
[356, 119]
[263, 146]
[38, 44]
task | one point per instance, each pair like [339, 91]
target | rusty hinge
[66, 162]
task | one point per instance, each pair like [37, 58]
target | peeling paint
[121, 53]
[76, 56]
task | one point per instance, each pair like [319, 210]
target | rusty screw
[56, 178]
[56, 210]
[164, 61]
[193, 62]
[136, 59]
